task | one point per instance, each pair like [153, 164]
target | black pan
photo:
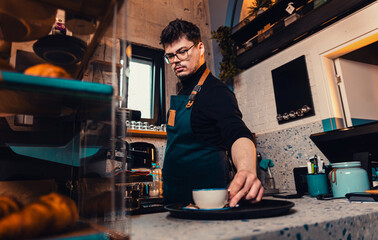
[60, 49]
[265, 208]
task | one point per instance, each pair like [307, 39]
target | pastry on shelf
[8, 205]
[47, 70]
[52, 213]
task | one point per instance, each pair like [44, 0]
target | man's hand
[245, 185]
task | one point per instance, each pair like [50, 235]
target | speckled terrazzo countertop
[308, 219]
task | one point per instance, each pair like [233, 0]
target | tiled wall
[289, 148]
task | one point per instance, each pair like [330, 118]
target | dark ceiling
[367, 54]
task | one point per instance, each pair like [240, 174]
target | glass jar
[348, 177]
[155, 189]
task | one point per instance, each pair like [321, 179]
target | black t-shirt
[215, 117]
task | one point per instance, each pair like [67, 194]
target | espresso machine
[144, 180]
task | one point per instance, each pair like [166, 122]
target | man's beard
[186, 75]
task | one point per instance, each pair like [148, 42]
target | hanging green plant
[227, 47]
[257, 5]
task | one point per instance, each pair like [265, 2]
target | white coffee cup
[210, 198]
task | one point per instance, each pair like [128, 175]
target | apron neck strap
[197, 88]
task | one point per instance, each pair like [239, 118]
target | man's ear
[201, 47]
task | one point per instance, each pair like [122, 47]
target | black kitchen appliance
[141, 155]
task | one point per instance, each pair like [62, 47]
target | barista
[204, 123]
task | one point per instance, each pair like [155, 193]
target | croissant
[8, 205]
[47, 70]
[50, 214]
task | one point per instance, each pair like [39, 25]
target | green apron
[189, 163]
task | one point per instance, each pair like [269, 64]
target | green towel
[265, 163]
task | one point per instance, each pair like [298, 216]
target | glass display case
[63, 157]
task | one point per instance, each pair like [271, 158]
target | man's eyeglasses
[181, 55]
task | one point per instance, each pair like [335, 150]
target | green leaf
[227, 48]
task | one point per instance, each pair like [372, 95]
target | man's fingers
[240, 190]
[254, 189]
[236, 185]
[252, 194]
[234, 200]
[259, 196]
[245, 185]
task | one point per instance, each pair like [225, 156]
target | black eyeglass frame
[173, 55]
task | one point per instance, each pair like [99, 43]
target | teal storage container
[348, 177]
[317, 184]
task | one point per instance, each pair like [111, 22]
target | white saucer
[210, 209]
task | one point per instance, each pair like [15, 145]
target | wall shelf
[145, 133]
[281, 37]
[250, 26]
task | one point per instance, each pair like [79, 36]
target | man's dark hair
[176, 29]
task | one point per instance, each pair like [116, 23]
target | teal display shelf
[25, 94]
[57, 85]
[57, 106]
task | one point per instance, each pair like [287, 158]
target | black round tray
[60, 49]
[265, 208]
